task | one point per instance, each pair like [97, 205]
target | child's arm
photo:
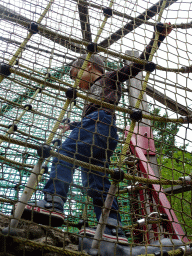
[164, 31]
[130, 71]
[69, 126]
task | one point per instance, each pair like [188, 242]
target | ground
[15, 246]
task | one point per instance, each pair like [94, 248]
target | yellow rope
[63, 251]
[43, 30]
[127, 142]
[80, 73]
[170, 253]
[13, 60]
[13, 79]
[22, 46]
[33, 179]
[32, 110]
[90, 99]
[47, 247]
[84, 66]
[142, 91]
[5, 200]
[103, 24]
[54, 147]
[11, 129]
[98, 102]
[5, 159]
[23, 133]
[76, 84]
[95, 167]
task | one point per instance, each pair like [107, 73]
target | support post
[134, 86]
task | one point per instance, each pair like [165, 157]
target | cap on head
[95, 59]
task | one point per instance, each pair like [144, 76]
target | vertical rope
[84, 66]
[144, 86]
[27, 192]
[14, 58]
[33, 179]
[54, 146]
[22, 46]
[11, 129]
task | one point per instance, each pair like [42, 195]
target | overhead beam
[84, 20]
[177, 189]
[146, 15]
[167, 101]
[35, 48]
[8, 14]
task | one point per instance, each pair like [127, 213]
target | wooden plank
[167, 101]
[146, 15]
[177, 189]
[85, 24]
[163, 99]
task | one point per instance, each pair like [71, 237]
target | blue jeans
[93, 141]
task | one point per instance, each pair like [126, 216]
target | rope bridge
[150, 168]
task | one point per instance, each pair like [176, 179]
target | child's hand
[64, 128]
[167, 29]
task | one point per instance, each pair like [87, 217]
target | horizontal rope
[9, 201]
[94, 167]
[18, 142]
[5, 159]
[150, 91]
[90, 99]
[23, 133]
[44, 30]
[47, 247]
[32, 110]
[35, 48]
[170, 253]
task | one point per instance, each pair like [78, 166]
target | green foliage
[164, 134]
[174, 162]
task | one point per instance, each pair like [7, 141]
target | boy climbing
[92, 140]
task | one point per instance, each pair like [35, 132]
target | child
[92, 140]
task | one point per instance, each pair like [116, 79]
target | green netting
[14, 178]
[64, 32]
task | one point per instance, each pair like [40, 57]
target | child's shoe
[47, 212]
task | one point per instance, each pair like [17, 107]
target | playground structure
[36, 55]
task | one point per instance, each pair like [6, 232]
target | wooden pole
[134, 86]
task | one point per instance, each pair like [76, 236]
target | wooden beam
[7, 14]
[165, 100]
[146, 15]
[168, 102]
[85, 24]
[177, 189]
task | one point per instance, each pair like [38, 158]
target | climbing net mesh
[39, 42]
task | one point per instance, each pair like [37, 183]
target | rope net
[128, 157]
